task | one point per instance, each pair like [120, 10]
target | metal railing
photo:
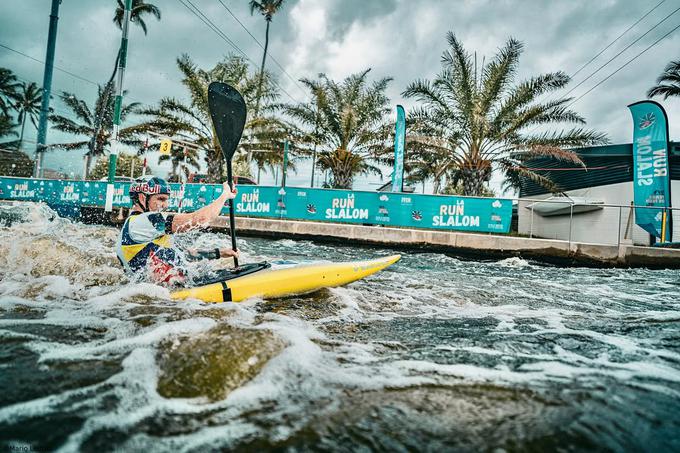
[593, 225]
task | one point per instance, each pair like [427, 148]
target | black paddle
[228, 113]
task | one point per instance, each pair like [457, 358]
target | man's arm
[189, 221]
[214, 254]
[196, 255]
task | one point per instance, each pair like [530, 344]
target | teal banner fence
[651, 176]
[323, 205]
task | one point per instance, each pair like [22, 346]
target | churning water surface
[434, 353]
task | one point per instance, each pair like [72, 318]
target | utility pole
[47, 88]
[115, 143]
[285, 163]
[316, 132]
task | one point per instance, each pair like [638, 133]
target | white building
[592, 213]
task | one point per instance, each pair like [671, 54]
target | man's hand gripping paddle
[228, 113]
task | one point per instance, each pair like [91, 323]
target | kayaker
[145, 246]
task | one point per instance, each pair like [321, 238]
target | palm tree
[177, 159]
[28, 102]
[425, 161]
[349, 121]
[668, 83]
[138, 10]
[85, 125]
[267, 8]
[191, 122]
[487, 122]
[8, 90]
[428, 155]
[6, 128]
[126, 165]
[265, 142]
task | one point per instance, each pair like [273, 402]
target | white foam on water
[352, 304]
[10, 303]
[540, 371]
[123, 345]
[652, 317]
[306, 371]
[48, 287]
[513, 262]
[208, 438]
[471, 373]
[134, 387]
[45, 406]
[526, 301]
[128, 294]
[624, 344]
[288, 243]
[622, 371]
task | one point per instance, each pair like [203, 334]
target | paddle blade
[228, 113]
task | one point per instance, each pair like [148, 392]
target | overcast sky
[403, 39]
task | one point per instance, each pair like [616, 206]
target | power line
[196, 11]
[243, 26]
[618, 54]
[617, 38]
[55, 67]
[57, 91]
[563, 97]
[62, 70]
[624, 65]
[262, 47]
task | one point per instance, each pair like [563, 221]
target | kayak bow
[272, 283]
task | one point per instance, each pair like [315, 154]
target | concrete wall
[476, 245]
[675, 202]
[602, 226]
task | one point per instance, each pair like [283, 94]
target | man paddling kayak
[145, 247]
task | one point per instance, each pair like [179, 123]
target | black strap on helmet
[136, 200]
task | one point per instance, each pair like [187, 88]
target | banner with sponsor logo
[651, 179]
[399, 145]
[322, 205]
[376, 208]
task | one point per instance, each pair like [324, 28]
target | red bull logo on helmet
[143, 187]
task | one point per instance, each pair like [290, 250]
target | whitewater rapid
[434, 352]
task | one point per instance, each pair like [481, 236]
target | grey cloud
[400, 38]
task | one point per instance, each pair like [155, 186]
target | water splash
[434, 351]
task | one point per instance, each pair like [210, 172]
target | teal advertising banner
[491, 215]
[399, 145]
[651, 183]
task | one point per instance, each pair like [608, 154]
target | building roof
[604, 165]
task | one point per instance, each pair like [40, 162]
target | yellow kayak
[272, 283]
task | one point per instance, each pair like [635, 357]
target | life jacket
[145, 248]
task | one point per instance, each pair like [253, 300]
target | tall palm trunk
[342, 175]
[21, 137]
[316, 134]
[99, 113]
[437, 185]
[215, 167]
[87, 161]
[249, 155]
[264, 57]
[474, 179]
[175, 170]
